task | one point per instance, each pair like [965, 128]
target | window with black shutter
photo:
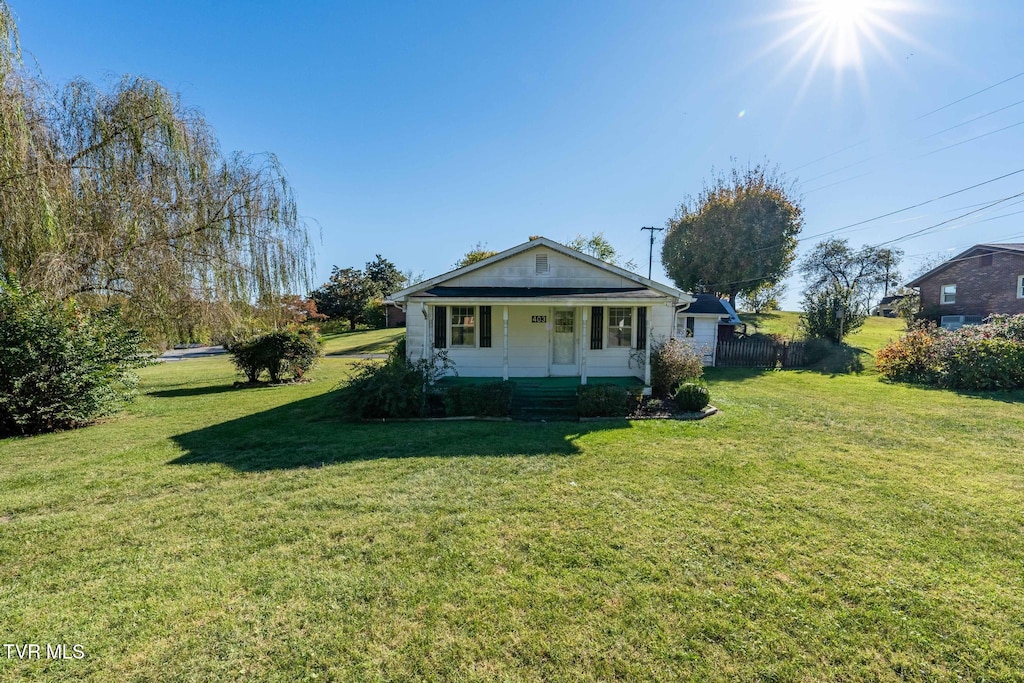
[485, 327]
[440, 327]
[597, 327]
[641, 328]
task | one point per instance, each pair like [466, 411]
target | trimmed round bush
[692, 397]
[282, 355]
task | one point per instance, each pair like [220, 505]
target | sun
[842, 23]
[842, 32]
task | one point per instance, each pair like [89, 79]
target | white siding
[705, 334]
[521, 271]
[529, 343]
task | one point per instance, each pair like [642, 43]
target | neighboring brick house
[985, 279]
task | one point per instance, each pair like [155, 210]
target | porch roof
[533, 294]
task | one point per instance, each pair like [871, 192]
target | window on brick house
[948, 294]
[1020, 286]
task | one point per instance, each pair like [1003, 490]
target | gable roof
[420, 288]
[1015, 247]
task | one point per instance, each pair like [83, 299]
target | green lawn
[819, 528]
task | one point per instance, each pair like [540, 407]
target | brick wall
[980, 290]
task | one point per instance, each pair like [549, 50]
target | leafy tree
[738, 235]
[764, 298]
[345, 295]
[860, 272]
[598, 246]
[478, 253]
[124, 196]
[385, 277]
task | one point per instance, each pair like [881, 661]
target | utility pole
[650, 255]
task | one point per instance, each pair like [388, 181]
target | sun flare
[843, 32]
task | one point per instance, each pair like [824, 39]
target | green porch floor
[553, 382]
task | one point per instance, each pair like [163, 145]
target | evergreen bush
[61, 366]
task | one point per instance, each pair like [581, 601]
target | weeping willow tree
[122, 195]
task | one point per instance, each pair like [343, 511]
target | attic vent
[542, 263]
[986, 258]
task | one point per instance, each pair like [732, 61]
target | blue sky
[415, 130]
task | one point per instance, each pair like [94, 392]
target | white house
[541, 309]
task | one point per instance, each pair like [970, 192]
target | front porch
[545, 398]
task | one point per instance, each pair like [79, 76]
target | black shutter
[641, 328]
[440, 326]
[485, 327]
[597, 328]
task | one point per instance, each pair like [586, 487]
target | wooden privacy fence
[760, 353]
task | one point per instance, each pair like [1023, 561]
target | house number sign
[538, 319]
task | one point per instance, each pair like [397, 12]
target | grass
[819, 528]
[362, 341]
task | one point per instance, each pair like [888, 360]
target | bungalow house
[542, 309]
[985, 279]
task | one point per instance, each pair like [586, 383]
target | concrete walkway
[192, 352]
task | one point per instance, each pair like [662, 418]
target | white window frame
[942, 294]
[611, 330]
[1020, 286]
[452, 325]
[688, 329]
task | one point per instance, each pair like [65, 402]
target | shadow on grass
[841, 359]
[193, 391]
[305, 434]
[1013, 397]
[369, 347]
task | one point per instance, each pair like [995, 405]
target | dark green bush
[387, 390]
[976, 364]
[673, 362]
[493, 399]
[821, 308]
[603, 400]
[395, 388]
[60, 366]
[288, 354]
[692, 397]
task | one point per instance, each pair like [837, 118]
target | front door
[563, 342]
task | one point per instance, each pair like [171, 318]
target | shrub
[819, 319]
[603, 400]
[493, 399]
[395, 388]
[282, 355]
[911, 358]
[692, 397]
[387, 390]
[673, 362]
[973, 358]
[62, 367]
[978, 364]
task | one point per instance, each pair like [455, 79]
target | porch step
[543, 401]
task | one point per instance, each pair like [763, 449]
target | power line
[917, 233]
[976, 118]
[912, 206]
[945, 106]
[976, 137]
[967, 97]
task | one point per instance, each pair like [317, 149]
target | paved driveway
[192, 352]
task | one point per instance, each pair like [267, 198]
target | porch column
[585, 344]
[504, 356]
[426, 332]
[647, 349]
